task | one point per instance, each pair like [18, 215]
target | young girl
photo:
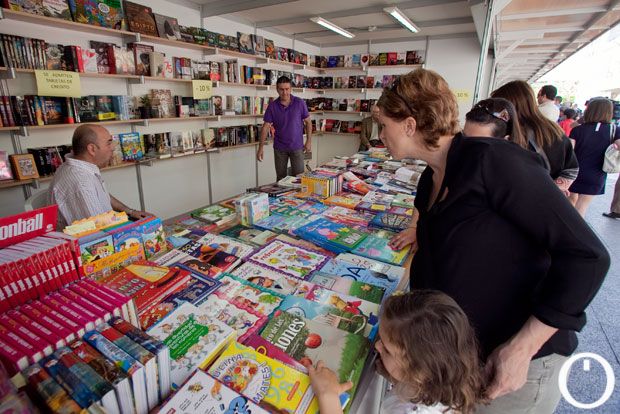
[427, 349]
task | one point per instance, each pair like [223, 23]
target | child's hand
[327, 388]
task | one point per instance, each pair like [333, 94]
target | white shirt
[79, 191]
[374, 134]
[549, 110]
[393, 404]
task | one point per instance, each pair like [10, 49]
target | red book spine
[20, 345]
[77, 312]
[38, 343]
[5, 290]
[48, 320]
[53, 310]
[110, 307]
[12, 359]
[86, 304]
[50, 336]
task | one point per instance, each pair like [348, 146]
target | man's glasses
[502, 115]
[394, 88]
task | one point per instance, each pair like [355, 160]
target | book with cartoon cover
[211, 255]
[289, 259]
[309, 341]
[332, 236]
[393, 273]
[403, 200]
[203, 394]
[347, 200]
[243, 322]
[262, 379]
[195, 337]
[215, 214]
[391, 221]
[378, 248]
[228, 245]
[345, 215]
[356, 323]
[343, 283]
[252, 298]
[256, 237]
[267, 278]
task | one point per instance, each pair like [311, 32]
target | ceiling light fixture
[329, 25]
[402, 19]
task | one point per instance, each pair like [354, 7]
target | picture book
[332, 236]
[131, 145]
[347, 200]
[195, 337]
[203, 394]
[347, 216]
[54, 396]
[104, 13]
[267, 278]
[308, 341]
[153, 237]
[403, 200]
[228, 245]
[289, 259]
[252, 298]
[167, 27]
[377, 248]
[215, 214]
[208, 254]
[354, 287]
[240, 320]
[261, 378]
[96, 249]
[140, 18]
[393, 272]
[195, 292]
[255, 237]
[268, 349]
[391, 221]
[245, 43]
[344, 320]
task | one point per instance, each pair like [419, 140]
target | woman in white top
[427, 349]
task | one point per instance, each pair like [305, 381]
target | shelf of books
[75, 125]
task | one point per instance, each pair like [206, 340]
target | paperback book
[378, 248]
[252, 298]
[240, 320]
[391, 221]
[354, 287]
[267, 278]
[289, 259]
[255, 237]
[335, 237]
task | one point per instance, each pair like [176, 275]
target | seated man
[369, 135]
[78, 186]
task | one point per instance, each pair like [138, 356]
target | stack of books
[252, 207]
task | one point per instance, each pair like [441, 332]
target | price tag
[202, 89]
[58, 83]
[462, 95]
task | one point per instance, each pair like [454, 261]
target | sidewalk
[601, 335]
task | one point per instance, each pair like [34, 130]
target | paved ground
[601, 335]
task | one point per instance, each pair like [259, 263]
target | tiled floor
[601, 335]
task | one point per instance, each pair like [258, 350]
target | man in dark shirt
[287, 115]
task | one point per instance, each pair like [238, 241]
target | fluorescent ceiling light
[402, 19]
[329, 25]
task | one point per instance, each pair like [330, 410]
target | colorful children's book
[393, 273]
[377, 248]
[215, 213]
[354, 287]
[195, 337]
[391, 221]
[348, 216]
[256, 237]
[270, 350]
[289, 259]
[228, 245]
[309, 341]
[100, 247]
[267, 278]
[262, 379]
[252, 298]
[131, 144]
[243, 322]
[210, 255]
[203, 394]
[344, 320]
[347, 200]
[403, 200]
[153, 237]
[332, 236]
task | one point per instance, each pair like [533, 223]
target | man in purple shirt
[287, 115]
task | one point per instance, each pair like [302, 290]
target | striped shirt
[79, 191]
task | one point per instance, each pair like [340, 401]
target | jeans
[281, 160]
[539, 395]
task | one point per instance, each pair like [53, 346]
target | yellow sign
[202, 89]
[462, 95]
[58, 83]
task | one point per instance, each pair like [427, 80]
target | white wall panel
[232, 172]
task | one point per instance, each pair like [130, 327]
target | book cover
[153, 237]
[289, 259]
[270, 49]
[104, 13]
[343, 319]
[245, 43]
[333, 236]
[131, 145]
[70, 382]
[255, 237]
[377, 248]
[205, 253]
[259, 45]
[141, 55]
[261, 378]
[341, 301]
[353, 281]
[403, 200]
[215, 214]
[243, 322]
[228, 245]
[195, 338]
[50, 391]
[308, 341]
[252, 298]
[267, 278]
[96, 249]
[140, 18]
[203, 394]
[390, 221]
[167, 27]
[54, 56]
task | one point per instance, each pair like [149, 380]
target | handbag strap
[539, 150]
[612, 132]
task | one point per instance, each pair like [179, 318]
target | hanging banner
[202, 89]
[58, 83]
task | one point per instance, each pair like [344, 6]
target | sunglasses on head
[502, 115]
[394, 90]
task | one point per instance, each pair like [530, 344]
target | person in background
[369, 135]
[591, 141]
[496, 235]
[541, 135]
[558, 102]
[427, 349]
[492, 118]
[614, 209]
[569, 122]
[287, 115]
[546, 102]
[78, 187]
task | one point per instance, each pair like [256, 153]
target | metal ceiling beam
[217, 8]
[552, 13]
[403, 5]
[588, 26]
[387, 27]
[509, 49]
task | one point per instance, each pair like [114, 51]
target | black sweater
[506, 244]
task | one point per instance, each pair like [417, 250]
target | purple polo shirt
[288, 122]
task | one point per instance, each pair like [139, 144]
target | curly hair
[440, 350]
[425, 96]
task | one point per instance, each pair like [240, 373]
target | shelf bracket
[8, 73]
[137, 81]
[134, 37]
[211, 52]
[1, 14]
[145, 123]
[36, 184]
[147, 162]
[23, 131]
